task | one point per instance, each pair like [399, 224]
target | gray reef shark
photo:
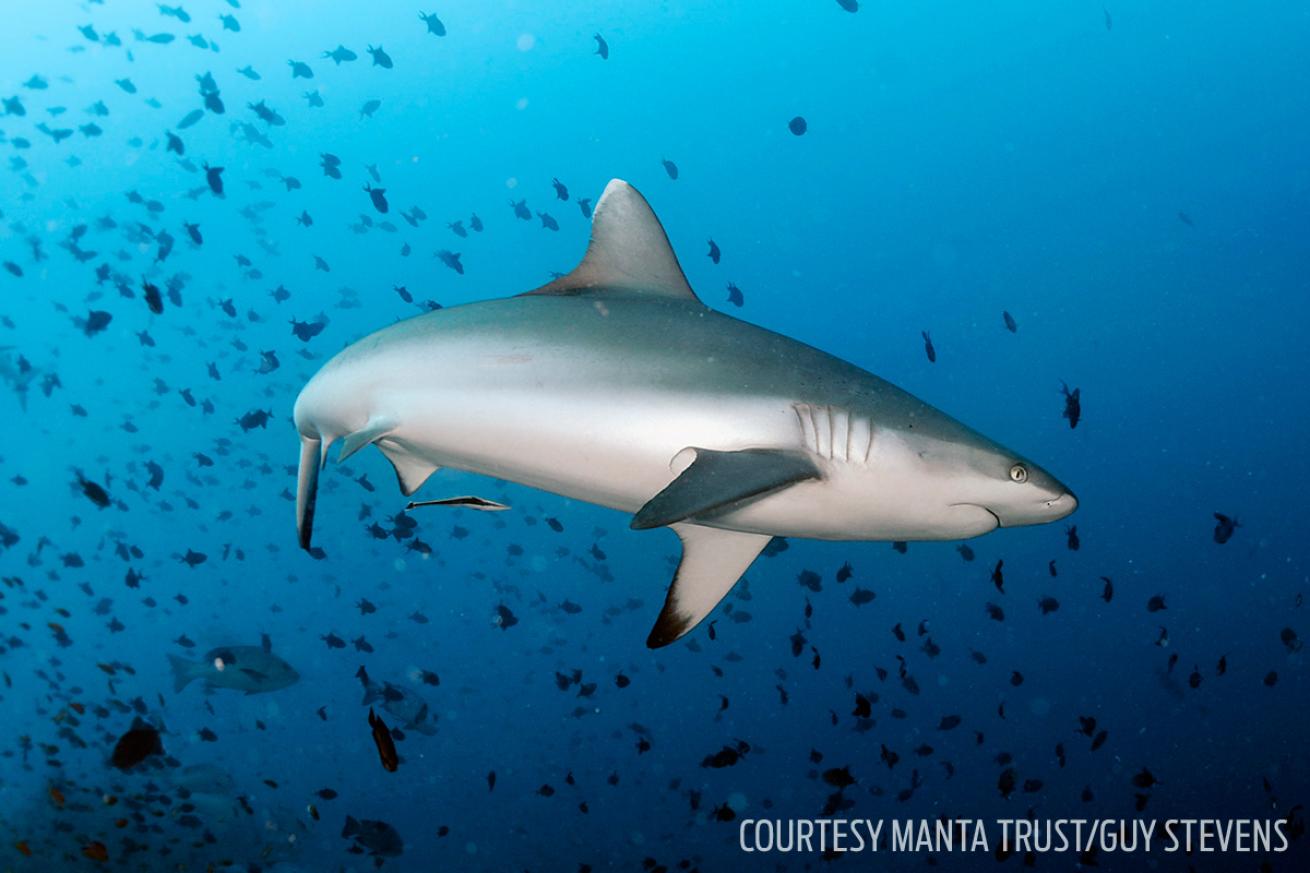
[616, 385]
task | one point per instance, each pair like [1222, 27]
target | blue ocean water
[1129, 183]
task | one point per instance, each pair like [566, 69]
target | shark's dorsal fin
[629, 253]
[712, 562]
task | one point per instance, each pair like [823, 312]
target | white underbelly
[615, 451]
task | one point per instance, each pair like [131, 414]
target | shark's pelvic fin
[712, 562]
[411, 471]
[629, 253]
[377, 427]
[307, 488]
[719, 481]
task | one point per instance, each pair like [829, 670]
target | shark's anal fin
[717, 481]
[307, 489]
[629, 252]
[712, 562]
[377, 427]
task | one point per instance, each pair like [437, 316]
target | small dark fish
[377, 838]
[382, 738]
[379, 198]
[670, 168]
[1107, 592]
[1009, 322]
[340, 54]
[861, 596]
[1156, 603]
[154, 300]
[93, 492]
[998, 577]
[714, 253]
[845, 572]
[1071, 535]
[451, 259]
[504, 618]
[1185, 219]
[1073, 407]
[561, 190]
[255, 418]
[965, 551]
[1109, 22]
[214, 176]
[380, 58]
[602, 47]
[735, 297]
[267, 115]
[798, 125]
[133, 747]
[1224, 528]
[928, 347]
[435, 27]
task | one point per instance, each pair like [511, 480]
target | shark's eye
[1018, 473]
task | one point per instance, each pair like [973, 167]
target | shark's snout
[1043, 510]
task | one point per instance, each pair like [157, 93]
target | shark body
[616, 385]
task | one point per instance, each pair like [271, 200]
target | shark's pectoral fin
[411, 470]
[629, 253]
[718, 481]
[712, 562]
[307, 489]
[376, 428]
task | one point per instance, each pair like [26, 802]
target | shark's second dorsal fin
[629, 253]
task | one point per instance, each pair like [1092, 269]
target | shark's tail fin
[311, 460]
[183, 672]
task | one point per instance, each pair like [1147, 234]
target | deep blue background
[961, 159]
